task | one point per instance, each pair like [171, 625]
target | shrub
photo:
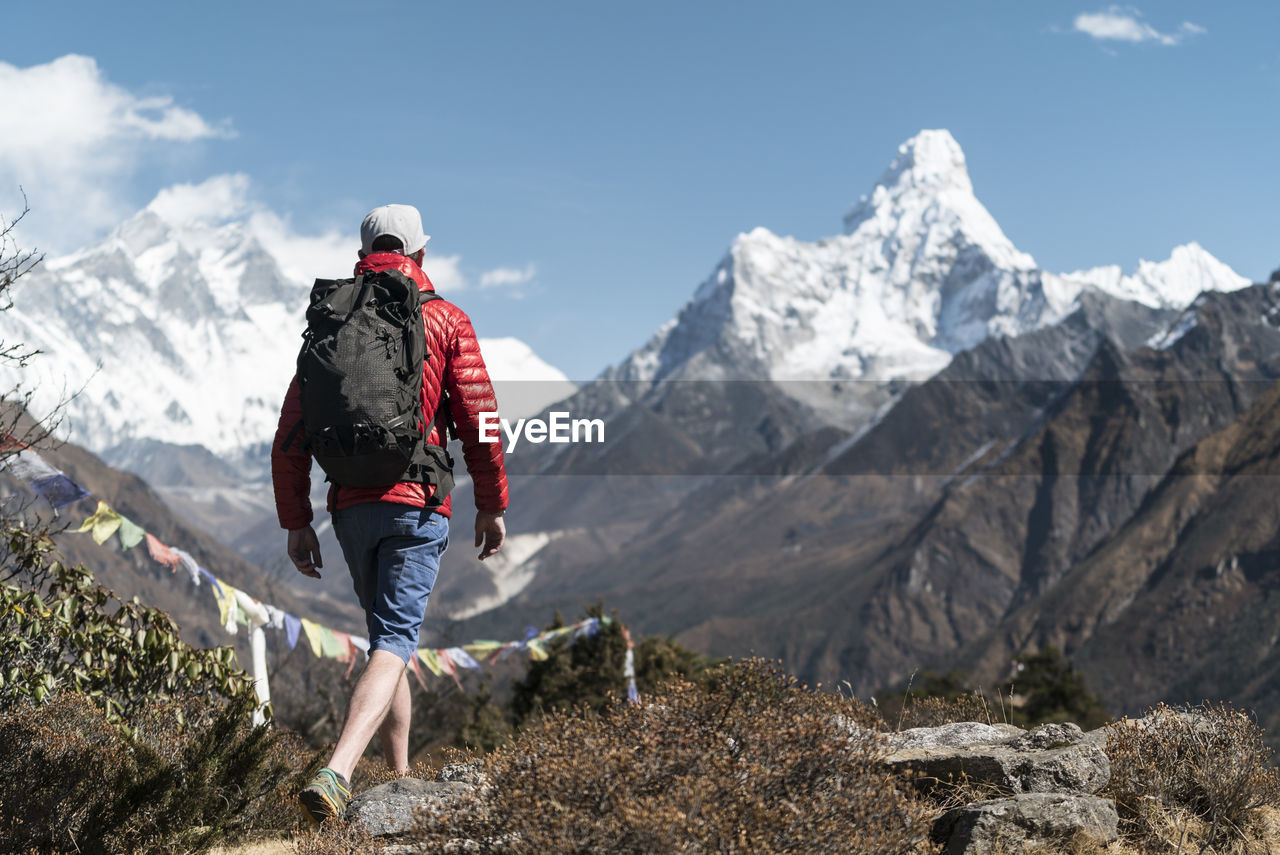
[589, 671]
[484, 728]
[78, 635]
[75, 781]
[1054, 691]
[752, 762]
[115, 735]
[1203, 772]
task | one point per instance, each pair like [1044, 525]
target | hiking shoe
[325, 797]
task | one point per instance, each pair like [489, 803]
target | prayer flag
[28, 466]
[102, 523]
[275, 617]
[429, 659]
[416, 670]
[324, 641]
[292, 626]
[448, 666]
[462, 658]
[189, 564]
[59, 490]
[162, 553]
[227, 607]
[348, 651]
[131, 533]
[482, 649]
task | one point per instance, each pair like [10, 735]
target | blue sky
[589, 163]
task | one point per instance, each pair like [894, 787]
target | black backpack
[360, 378]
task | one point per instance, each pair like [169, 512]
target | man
[393, 536]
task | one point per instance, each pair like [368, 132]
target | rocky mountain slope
[956, 530]
[796, 355]
[888, 449]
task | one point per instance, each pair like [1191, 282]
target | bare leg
[394, 731]
[370, 701]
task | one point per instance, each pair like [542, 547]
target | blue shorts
[393, 552]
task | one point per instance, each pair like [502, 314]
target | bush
[1053, 690]
[115, 735]
[75, 781]
[589, 672]
[484, 727]
[78, 635]
[1202, 774]
[754, 763]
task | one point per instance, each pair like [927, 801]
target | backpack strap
[293, 434]
[451, 432]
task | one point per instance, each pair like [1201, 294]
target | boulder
[1028, 819]
[391, 809]
[961, 734]
[1049, 759]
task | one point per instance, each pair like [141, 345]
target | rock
[1049, 736]
[961, 734]
[467, 773]
[1096, 738]
[391, 809]
[1024, 820]
[1051, 758]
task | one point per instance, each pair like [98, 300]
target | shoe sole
[317, 806]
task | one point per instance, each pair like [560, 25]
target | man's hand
[304, 551]
[491, 530]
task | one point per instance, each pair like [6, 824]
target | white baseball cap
[398, 221]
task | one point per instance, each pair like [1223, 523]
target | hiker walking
[387, 368]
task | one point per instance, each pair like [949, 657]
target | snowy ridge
[1176, 281]
[922, 272]
[183, 323]
[182, 327]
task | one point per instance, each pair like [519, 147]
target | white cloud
[445, 272]
[216, 200]
[73, 139]
[1125, 24]
[507, 277]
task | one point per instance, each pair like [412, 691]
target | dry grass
[272, 846]
[930, 711]
[751, 765]
[1194, 780]
[337, 838]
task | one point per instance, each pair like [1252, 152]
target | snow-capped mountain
[184, 330]
[922, 272]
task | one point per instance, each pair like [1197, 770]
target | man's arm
[291, 481]
[471, 393]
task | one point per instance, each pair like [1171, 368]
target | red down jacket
[455, 366]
